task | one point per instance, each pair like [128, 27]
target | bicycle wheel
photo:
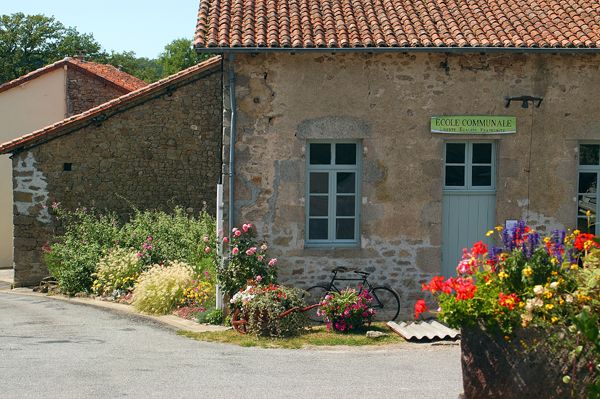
[314, 294]
[386, 304]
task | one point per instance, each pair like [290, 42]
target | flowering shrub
[263, 305]
[161, 288]
[195, 298]
[248, 260]
[550, 283]
[157, 236]
[347, 310]
[116, 273]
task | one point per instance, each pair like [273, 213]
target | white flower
[554, 285]
[538, 290]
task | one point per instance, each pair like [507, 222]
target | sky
[143, 26]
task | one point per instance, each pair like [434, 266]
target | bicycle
[386, 301]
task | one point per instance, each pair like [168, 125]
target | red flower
[582, 239]
[508, 301]
[479, 248]
[436, 284]
[420, 307]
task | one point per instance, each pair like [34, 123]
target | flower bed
[531, 283]
[347, 310]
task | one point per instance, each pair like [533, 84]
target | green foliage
[161, 288]
[149, 70]
[161, 237]
[158, 237]
[87, 238]
[179, 55]
[265, 305]
[248, 260]
[28, 42]
[213, 316]
[117, 272]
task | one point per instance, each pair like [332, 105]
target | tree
[179, 55]
[28, 42]
[149, 70]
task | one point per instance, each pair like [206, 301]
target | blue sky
[143, 26]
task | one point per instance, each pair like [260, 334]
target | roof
[109, 108]
[108, 73]
[355, 24]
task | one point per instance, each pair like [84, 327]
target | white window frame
[332, 169]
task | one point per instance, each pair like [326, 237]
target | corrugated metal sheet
[424, 329]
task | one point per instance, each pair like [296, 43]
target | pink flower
[251, 251]
[235, 251]
[225, 240]
[246, 227]
[258, 279]
[149, 238]
[237, 233]
[207, 250]
[260, 257]
[273, 262]
[139, 254]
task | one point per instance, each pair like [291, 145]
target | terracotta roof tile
[108, 73]
[398, 23]
[125, 100]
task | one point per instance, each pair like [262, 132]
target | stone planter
[496, 368]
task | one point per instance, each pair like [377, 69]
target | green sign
[474, 124]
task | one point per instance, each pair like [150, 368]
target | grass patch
[313, 336]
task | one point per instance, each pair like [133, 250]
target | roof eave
[551, 50]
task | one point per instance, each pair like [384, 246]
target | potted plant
[347, 310]
[528, 314]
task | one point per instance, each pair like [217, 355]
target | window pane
[344, 229]
[345, 154]
[482, 153]
[320, 154]
[318, 206]
[587, 183]
[587, 203]
[317, 229]
[588, 154]
[319, 183]
[455, 152]
[455, 176]
[482, 176]
[346, 182]
[345, 205]
[582, 224]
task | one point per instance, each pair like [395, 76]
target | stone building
[43, 97]
[153, 148]
[389, 136]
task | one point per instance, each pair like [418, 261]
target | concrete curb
[171, 321]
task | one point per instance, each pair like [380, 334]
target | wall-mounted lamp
[536, 101]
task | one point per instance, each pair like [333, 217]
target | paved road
[53, 349]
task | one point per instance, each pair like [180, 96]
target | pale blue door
[469, 203]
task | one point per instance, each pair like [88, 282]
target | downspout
[232, 130]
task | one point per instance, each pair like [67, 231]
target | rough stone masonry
[158, 154]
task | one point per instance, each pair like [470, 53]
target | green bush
[117, 272]
[157, 237]
[262, 305]
[162, 288]
[214, 316]
[161, 237]
[87, 237]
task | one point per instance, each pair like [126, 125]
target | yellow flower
[548, 294]
[546, 239]
[549, 306]
[554, 273]
[489, 233]
[554, 319]
[502, 275]
[521, 304]
[576, 232]
[527, 272]
[499, 228]
[554, 260]
[588, 213]
[574, 266]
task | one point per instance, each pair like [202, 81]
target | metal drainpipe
[232, 130]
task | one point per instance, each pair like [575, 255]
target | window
[469, 166]
[333, 194]
[587, 187]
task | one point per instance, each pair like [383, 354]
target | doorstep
[174, 322]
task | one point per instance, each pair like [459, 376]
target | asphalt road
[53, 349]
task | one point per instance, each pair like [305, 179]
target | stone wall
[386, 101]
[161, 153]
[86, 91]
